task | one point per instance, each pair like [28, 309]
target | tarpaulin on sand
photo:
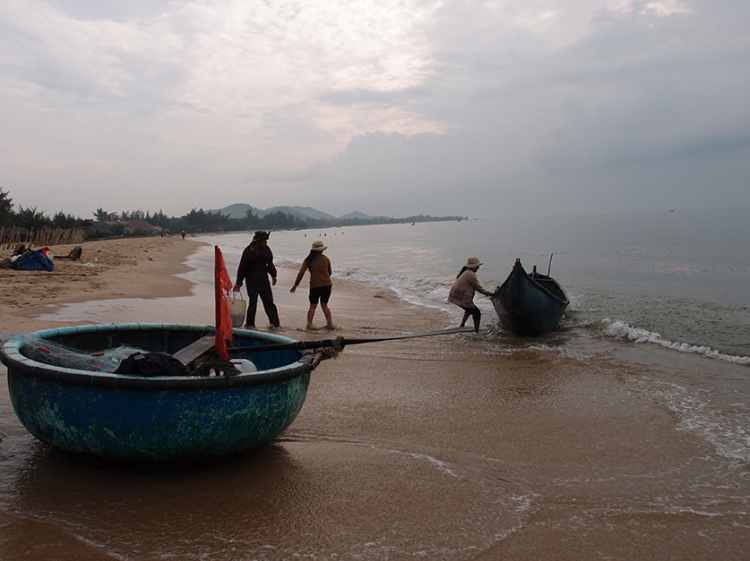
[36, 260]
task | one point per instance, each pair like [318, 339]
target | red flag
[223, 287]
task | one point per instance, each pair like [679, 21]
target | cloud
[642, 108]
[418, 106]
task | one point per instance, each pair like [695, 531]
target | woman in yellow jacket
[320, 283]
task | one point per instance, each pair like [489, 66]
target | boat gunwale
[11, 356]
[536, 285]
[517, 282]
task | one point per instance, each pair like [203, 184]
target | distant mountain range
[238, 210]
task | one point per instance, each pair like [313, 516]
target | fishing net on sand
[56, 354]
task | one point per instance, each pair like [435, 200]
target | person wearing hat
[463, 289]
[320, 283]
[256, 265]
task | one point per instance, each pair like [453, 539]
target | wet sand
[429, 448]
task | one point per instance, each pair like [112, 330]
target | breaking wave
[620, 330]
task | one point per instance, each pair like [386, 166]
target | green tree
[279, 219]
[102, 215]
[160, 219]
[132, 215]
[62, 220]
[31, 218]
[6, 208]
[250, 217]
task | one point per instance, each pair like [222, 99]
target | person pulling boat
[463, 289]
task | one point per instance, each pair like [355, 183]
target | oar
[342, 342]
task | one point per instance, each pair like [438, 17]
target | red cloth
[223, 287]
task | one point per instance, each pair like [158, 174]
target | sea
[623, 434]
[674, 279]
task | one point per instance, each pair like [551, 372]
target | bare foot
[332, 327]
[311, 327]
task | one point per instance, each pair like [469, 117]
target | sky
[387, 107]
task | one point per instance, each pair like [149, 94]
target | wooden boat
[128, 417]
[529, 304]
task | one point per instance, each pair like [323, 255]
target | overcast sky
[389, 107]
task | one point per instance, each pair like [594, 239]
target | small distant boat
[64, 397]
[529, 304]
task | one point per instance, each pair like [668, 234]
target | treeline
[195, 221]
[199, 221]
[386, 220]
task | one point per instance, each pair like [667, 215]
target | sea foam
[621, 330]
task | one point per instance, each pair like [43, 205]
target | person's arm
[270, 267]
[485, 292]
[478, 287]
[241, 271]
[301, 274]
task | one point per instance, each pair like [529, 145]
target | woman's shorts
[320, 293]
[475, 312]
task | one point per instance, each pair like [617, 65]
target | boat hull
[164, 418]
[529, 306]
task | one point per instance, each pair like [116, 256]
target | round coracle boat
[77, 389]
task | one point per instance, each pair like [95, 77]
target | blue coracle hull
[131, 418]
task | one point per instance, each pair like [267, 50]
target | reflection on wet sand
[532, 458]
[468, 447]
[303, 495]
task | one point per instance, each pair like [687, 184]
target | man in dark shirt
[255, 267]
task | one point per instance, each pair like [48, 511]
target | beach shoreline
[458, 448]
[147, 268]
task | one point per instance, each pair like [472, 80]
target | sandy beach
[120, 268]
[438, 448]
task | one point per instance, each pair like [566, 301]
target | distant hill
[306, 214]
[301, 212]
[238, 210]
[355, 215]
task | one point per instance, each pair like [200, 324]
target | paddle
[341, 342]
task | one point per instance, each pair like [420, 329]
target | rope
[327, 352]
[324, 353]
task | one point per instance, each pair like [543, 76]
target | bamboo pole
[11, 237]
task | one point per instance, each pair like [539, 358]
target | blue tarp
[33, 261]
